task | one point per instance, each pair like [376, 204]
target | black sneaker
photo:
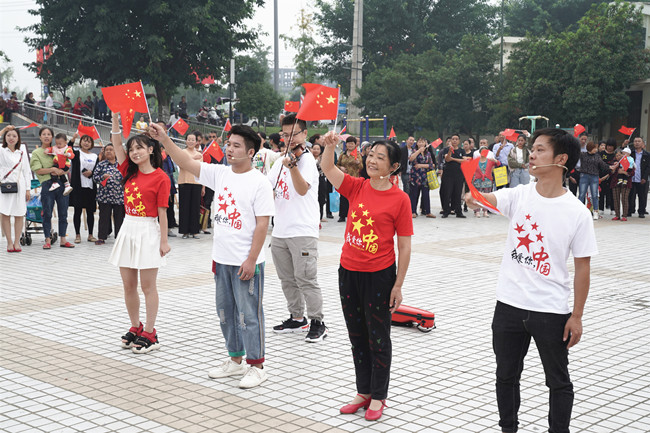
[291, 325]
[317, 332]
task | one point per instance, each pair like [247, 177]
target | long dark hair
[4, 139]
[155, 157]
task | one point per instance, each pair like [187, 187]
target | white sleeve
[211, 175]
[264, 204]
[584, 243]
[506, 200]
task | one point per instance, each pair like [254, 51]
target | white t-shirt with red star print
[541, 235]
[295, 215]
[238, 199]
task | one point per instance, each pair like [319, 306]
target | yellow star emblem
[357, 226]
[137, 93]
[353, 214]
[361, 205]
[133, 183]
[130, 198]
[365, 213]
[369, 221]
[135, 189]
[138, 195]
[331, 99]
[126, 190]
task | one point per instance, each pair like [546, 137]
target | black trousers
[344, 207]
[512, 330]
[207, 202]
[85, 200]
[105, 212]
[365, 300]
[189, 206]
[171, 214]
[573, 187]
[640, 190]
[451, 190]
[606, 198]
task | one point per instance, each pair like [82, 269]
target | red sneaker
[623, 219]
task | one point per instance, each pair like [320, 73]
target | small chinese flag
[626, 131]
[126, 99]
[212, 153]
[105, 181]
[88, 130]
[355, 153]
[436, 143]
[469, 168]
[181, 126]
[343, 130]
[625, 163]
[510, 134]
[485, 152]
[292, 106]
[227, 127]
[31, 125]
[392, 133]
[578, 129]
[320, 103]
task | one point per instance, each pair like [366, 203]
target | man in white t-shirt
[547, 224]
[244, 206]
[294, 242]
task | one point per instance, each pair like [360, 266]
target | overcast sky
[13, 14]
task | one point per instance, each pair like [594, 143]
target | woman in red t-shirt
[370, 280]
[141, 244]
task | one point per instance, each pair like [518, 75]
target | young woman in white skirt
[141, 245]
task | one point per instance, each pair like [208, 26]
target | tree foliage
[581, 76]
[537, 17]
[254, 89]
[444, 92]
[392, 28]
[305, 46]
[161, 43]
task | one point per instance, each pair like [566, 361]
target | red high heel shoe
[374, 415]
[353, 408]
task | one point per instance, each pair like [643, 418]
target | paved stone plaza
[62, 368]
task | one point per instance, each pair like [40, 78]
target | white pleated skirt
[138, 244]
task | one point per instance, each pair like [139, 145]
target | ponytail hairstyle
[155, 157]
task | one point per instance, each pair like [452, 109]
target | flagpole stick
[144, 95]
[285, 152]
[336, 120]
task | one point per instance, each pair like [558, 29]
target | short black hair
[562, 143]
[61, 135]
[611, 141]
[251, 139]
[351, 139]
[313, 138]
[275, 138]
[262, 135]
[198, 134]
[290, 119]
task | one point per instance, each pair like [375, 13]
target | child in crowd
[621, 182]
[63, 156]
[483, 180]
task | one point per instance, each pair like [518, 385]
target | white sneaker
[595, 216]
[611, 212]
[54, 186]
[228, 368]
[254, 376]
[67, 190]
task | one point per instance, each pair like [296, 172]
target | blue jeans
[239, 305]
[589, 181]
[48, 198]
[519, 176]
[512, 329]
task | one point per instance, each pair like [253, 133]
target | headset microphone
[391, 173]
[549, 165]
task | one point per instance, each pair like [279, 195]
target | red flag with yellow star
[212, 152]
[320, 103]
[126, 99]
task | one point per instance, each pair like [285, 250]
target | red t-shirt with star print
[145, 193]
[372, 222]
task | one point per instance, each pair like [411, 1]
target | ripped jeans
[239, 306]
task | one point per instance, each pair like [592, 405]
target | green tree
[537, 17]
[461, 88]
[305, 46]
[161, 43]
[255, 91]
[392, 28]
[581, 76]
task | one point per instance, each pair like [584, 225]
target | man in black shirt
[451, 188]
